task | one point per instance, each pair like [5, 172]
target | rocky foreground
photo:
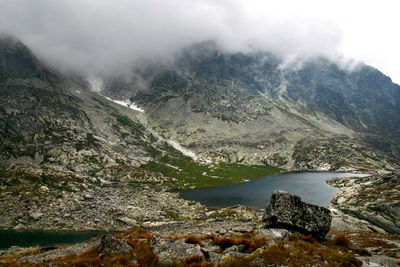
[290, 233]
[373, 199]
[60, 201]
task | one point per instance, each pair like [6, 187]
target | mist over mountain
[101, 38]
[224, 84]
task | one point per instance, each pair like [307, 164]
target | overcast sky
[91, 36]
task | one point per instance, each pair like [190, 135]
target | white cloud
[104, 35]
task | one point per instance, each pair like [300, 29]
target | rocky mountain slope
[250, 108]
[67, 153]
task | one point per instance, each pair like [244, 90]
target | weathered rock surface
[174, 250]
[60, 252]
[83, 203]
[223, 228]
[288, 211]
[112, 245]
[375, 199]
[346, 222]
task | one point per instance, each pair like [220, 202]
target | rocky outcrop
[174, 250]
[288, 211]
[59, 252]
[112, 245]
[375, 199]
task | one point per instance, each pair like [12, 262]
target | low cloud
[103, 36]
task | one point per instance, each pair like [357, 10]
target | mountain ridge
[243, 88]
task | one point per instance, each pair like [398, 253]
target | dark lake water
[310, 186]
[10, 238]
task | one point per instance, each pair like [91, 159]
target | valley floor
[189, 234]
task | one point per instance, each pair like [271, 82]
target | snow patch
[142, 118]
[125, 103]
[172, 166]
[324, 167]
[184, 151]
[145, 123]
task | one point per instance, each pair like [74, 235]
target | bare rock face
[287, 211]
[174, 250]
[111, 245]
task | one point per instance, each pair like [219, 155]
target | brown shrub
[121, 259]
[342, 241]
[193, 259]
[223, 242]
[276, 254]
[192, 239]
[309, 238]
[373, 242]
[145, 254]
[294, 237]
[86, 261]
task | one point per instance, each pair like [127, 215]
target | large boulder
[287, 211]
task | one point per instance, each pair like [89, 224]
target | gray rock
[238, 248]
[223, 259]
[128, 221]
[88, 196]
[236, 254]
[379, 260]
[287, 211]
[110, 244]
[278, 234]
[36, 215]
[211, 249]
[215, 257]
[174, 250]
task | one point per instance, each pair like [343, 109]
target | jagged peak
[11, 42]
[17, 59]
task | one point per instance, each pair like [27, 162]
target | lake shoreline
[174, 190]
[244, 193]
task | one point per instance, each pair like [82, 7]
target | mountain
[42, 110]
[73, 158]
[248, 108]
[69, 157]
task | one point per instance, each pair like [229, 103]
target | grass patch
[191, 174]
